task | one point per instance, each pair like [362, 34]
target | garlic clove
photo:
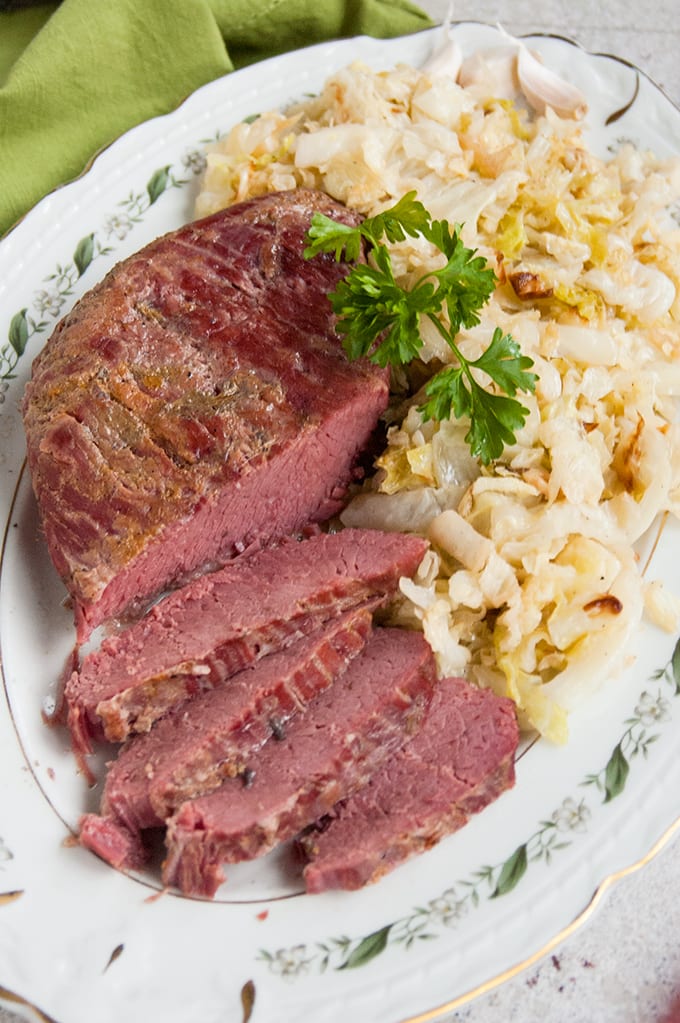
[491, 72]
[447, 56]
[445, 60]
[544, 88]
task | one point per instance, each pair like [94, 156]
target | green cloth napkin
[76, 75]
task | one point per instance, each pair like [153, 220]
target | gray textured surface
[623, 964]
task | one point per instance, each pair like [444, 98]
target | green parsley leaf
[494, 418]
[466, 281]
[504, 363]
[446, 394]
[326, 235]
[407, 217]
[380, 320]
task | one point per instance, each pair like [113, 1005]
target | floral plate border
[36, 903]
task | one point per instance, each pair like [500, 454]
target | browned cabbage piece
[195, 402]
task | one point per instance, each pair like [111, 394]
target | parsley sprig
[380, 319]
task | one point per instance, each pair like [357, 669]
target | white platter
[86, 944]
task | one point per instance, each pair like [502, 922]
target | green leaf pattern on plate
[84, 254]
[49, 301]
[368, 949]
[673, 670]
[18, 332]
[512, 872]
[651, 710]
[157, 184]
[569, 819]
[615, 773]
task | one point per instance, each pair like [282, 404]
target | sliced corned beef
[216, 625]
[196, 746]
[195, 402]
[460, 760]
[112, 841]
[326, 754]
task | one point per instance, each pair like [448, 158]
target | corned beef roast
[197, 405]
[191, 750]
[195, 402]
[459, 761]
[325, 755]
[201, 634]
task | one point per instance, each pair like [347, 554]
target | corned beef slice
[195, 402]
[196, 746]
[459, 762]
[327, 753]
[112, 841]
[216, 625]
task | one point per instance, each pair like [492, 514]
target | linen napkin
[76, 75]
